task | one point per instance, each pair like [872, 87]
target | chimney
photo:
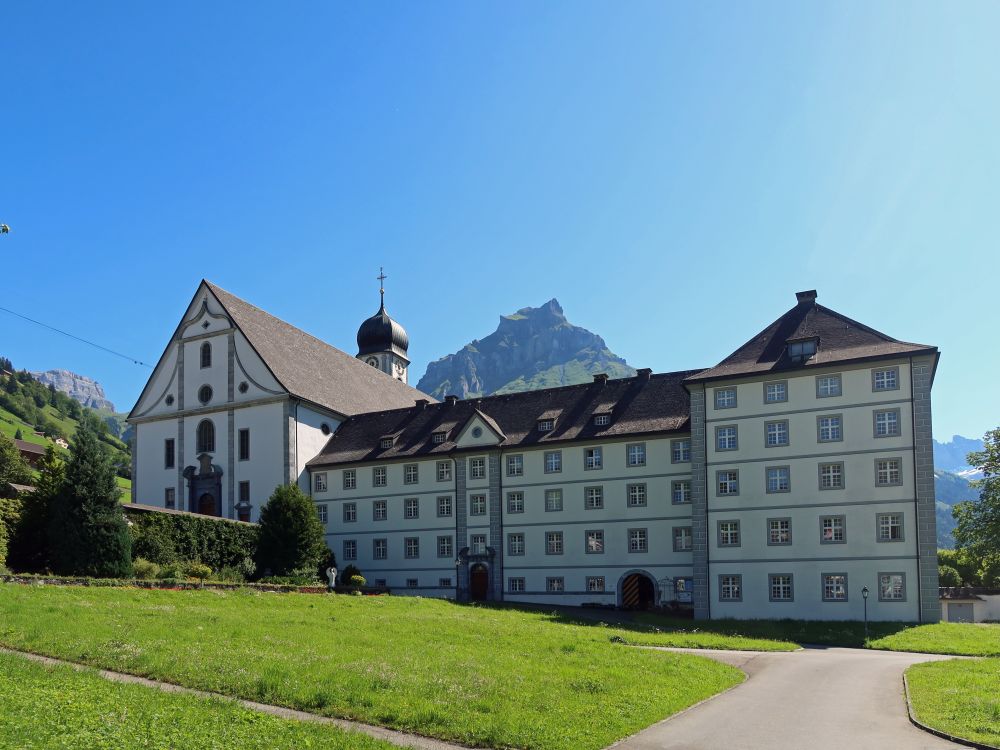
[643, 373]
[422, 404]
[806, 298]
[601, 377]
[451, 400]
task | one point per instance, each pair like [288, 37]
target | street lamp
[864, 595]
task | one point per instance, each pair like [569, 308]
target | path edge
[937, 732]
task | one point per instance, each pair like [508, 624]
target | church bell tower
[382, 342]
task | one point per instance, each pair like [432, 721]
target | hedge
[165, 538]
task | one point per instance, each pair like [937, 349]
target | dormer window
[438, 437]
[546, 425]
[800, 351]
[385, 442]
[602, 420]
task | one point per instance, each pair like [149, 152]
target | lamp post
[864, 595]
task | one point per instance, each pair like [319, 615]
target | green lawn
[476, 675]
[958, 696]
[59, 707]
[959, 638]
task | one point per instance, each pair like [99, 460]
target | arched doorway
[637, 591]
[206, 505]
[479, 582]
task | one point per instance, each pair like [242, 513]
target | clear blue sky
[671, 172]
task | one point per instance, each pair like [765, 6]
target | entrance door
[479, 582]
[206, 504]
[960, 612]
[638, 592]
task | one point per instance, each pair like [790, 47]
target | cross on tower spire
[381, 284]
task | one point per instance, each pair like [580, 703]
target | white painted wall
[313, 429]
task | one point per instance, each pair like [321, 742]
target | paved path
[813, 699]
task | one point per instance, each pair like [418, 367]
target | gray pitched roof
[840, 340]
[312, 369]
[639, 405]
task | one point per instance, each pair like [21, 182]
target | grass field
[59, 707]
[480, 676]
[960, 697]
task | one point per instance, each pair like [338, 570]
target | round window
[244, 387]
[324, 428]
[205, 394]
[372, 361]
[170, 400]
[477, 432]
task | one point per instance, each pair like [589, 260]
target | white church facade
[794, 479]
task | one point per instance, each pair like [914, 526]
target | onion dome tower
[382, 342]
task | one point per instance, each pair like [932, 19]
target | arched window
[206, 355]
[206, 436]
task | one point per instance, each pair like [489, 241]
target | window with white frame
[411, 507]
[830, 428]
[886, 379]
[729, 533]
[385, 443]
[477, 505]
[444, 506]
[438, 437]
[380, 549]
[553, 462]
[779, 531]
[775, 392]
[553, 500]
[886, 422]
[726, 438]
[595, 583]
[445, 545]
[890, 527]
[350, 479]
[834, 587]
[319, 482]
[444, 471]
[891, 587]
[515, 544]
[515, 584]
[638, 540]
[515, 466]
[779, 479]
[380, 510]
[635, 454]
[478, 544]
[682, 539]
[730, 588]
[780, 587]
[411, 473]
[680, 451]
[828, 385]
[350, 549]
[546, 425]
[776, 433]
[593, 498]
[515, 502]
[321, 511]
[477, 468]
[593, 458]
[594, 542]
[602, 420]
[350, 512]
[635, 495]
[555, 584]
[725, 398]
[553, 543]
[680, 491]
[379, 476]
[888, 472]
[831, 476]
[832, 529]
[728, 482]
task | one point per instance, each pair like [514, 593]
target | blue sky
[671, 172]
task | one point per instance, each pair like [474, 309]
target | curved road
[814, 699]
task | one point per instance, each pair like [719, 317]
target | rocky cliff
[536, 347]
[85, 390]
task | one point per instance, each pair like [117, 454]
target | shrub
[29, 542]
[357, 581]
[291, 536]
[229, 574]
[172, 570]
[10, 515]
[349, 572]
[948, 576]
[145, 569]
[166, 538]
[197, 570]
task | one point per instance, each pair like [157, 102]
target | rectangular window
[886, 379]
[635, 495]
[380, 549]
[553, 543]
[321, 511]
[379, 476]
[319, 482]
[602, 420]
[800, 351]
[244, 444]
[478, 544]
[380, 583]
[831, 476]
[635, 454]
[835, 587]
[780, 587]
[681, 492]
[411, 473]
[779, 479]
[891, 587]
[553, 500]
[829, 428]
[444, 583]
[726, 438]
[638, 540]
[553, 462]
[380, 510]
[515, 585]
[776, 433]
[168, 454]
[445, 546]
[776, 392]
[725, 398]
[411, 508]
[515, 466]
[411, 583]
[546, 425]
[477, 468]
[594, 544]
[680, 451]
[832, 530]
[350, 549]
[444, 471]
[593, 498]
[731, 588]
[385, 443]
[350, 512]
[515, 545]
[593, 458]
[515, 502]
[555, 584]
[477, 505]
[886, 423]
[682, 539]
[779, 531]
[890, 527]
[729, 533]
[350, 479]
[437, 438]
[827, 386]
[244, 492]
[595, 583]
[444, 506]
[728, 482]
[411, 547]
[170, 498]
[888, 472]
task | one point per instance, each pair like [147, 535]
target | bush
[349, 572]
[230, 574]
[10, 515]
[357, 581]
[145, 569]
[291, 536]
[171, 571]
[197, 570]
[289, 580]
[948, 576]
[166, 538]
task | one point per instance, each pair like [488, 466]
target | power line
[133, 360]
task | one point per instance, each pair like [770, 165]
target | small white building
[969, 604]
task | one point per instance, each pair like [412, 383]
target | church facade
[794, 479]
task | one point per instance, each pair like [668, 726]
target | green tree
[29, 544]
[13, 468]
[964, 565]
[87, 532]
[977, 530]
[291, 536]
[18, 435]
[948, 576]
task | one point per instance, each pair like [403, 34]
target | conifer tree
[13, 468]
[29, 544]
[291, 536]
